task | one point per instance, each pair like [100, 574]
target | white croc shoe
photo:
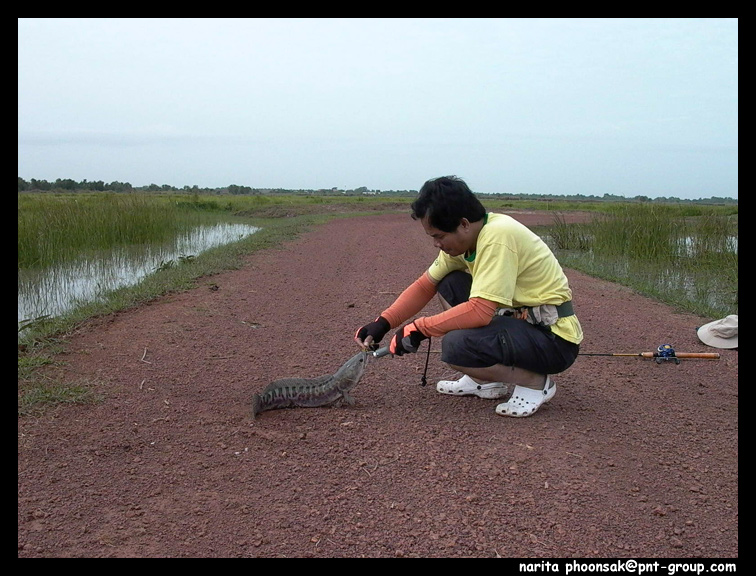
[526, 401]
[466, 386]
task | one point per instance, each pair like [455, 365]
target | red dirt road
[630, 459]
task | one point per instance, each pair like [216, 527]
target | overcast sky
[537, 106]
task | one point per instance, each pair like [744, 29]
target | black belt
[565, 309]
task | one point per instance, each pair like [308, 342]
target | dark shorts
[506, 340]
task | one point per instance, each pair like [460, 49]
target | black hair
[445, 201]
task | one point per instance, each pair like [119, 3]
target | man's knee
[454, 288]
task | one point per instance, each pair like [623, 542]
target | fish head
[352, 370]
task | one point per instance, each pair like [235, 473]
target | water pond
[56, 290]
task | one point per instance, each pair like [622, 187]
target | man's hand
[406, 340]
[369, 335]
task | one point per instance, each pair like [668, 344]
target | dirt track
[630, 459]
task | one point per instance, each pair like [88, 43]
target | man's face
[453, 243]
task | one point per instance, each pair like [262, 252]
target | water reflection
[55, 290]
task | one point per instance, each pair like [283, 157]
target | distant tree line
[69, 185]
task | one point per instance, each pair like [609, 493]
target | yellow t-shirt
[513, 267]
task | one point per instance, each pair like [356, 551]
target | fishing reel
[665, 353]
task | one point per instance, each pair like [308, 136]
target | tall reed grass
[689, 259]
[57, 228]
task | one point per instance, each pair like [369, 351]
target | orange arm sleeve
[411, 301]
[474, 313]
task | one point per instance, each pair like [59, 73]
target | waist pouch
[543, 315]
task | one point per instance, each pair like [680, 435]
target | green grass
[58, 227]
[38, 390]
[45, 392]
[686, 258]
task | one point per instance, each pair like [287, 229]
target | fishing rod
[664, 353]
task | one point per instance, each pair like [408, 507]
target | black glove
[406, 340]
[377, 329]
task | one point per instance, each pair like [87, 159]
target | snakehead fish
[312, 392]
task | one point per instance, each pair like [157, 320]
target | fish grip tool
[385, 351]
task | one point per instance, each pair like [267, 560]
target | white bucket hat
[720, 333]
